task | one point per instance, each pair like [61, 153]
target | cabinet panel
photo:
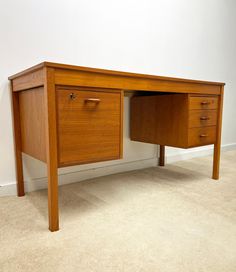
[32, 122]
[89, 126]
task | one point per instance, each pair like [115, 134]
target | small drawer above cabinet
[89, 125]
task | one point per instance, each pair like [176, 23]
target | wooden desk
[67, 115]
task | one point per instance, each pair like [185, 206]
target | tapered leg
[217, 145]
[162, 155]
[17, 140]
[51, 148]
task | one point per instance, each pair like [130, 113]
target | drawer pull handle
[205, 103]
[72, 96]
[94, 100]
[204, 118]
[203, 135]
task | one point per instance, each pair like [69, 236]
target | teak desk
[67, 115]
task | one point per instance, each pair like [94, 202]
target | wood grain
[168, 120]
[51, 148]
[160, 119]
[201, 136]
[32, 120]
[17, 142]
[202, 118]
[88, 131]
[203, 102]
[93, 79]
[89, 127]
[109, 72]
[217, 145]
[28, 81]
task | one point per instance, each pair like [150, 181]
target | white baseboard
[66, 178]
[187, 154]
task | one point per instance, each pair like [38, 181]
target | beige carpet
[159, 219]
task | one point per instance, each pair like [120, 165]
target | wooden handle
[203, 135]
[204, 118]
[94, 100]
[205, 102]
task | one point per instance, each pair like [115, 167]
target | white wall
[180, 38]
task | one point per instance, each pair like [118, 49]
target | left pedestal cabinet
[63, 125]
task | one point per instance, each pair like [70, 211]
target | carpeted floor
[159, 219]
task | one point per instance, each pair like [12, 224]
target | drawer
[203, 102]
[202, 118]
[89, 126]
[201, 136]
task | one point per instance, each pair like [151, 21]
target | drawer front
[202, 118]
[203, 102]
[201, 136]
[89, 126]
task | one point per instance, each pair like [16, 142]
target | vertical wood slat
[51, 148]
[217, 145]
[17, 142]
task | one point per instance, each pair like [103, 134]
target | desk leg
[162, 155]
[18, 148]
[217, 145]
[51, 148]
[53, 214]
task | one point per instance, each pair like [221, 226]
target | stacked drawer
[178, 120]
[202, 120]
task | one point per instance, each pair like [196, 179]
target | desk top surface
[109, 72]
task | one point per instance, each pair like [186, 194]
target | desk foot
[162, 155]
[216, 162]
[53, 213]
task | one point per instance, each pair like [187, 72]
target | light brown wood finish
[28, 81]
[121, 123]
[201, 136]
[160, 119]
[124, 82]
[217, 145]
[17, 142]
[202, 118]
[203, 102]
[32, 112]
[162, 155]
[172, 121]
[72, 75]
[89, 126]
[51, 148]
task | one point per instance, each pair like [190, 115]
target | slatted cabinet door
[89, 126]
